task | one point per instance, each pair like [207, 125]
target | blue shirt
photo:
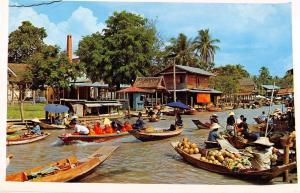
[263, 117]
[139, 124]
[213, 135]
[36, 130]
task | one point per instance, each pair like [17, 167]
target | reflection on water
[133, 161]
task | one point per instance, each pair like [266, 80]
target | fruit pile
[218, 157]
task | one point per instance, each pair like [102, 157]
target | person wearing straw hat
[213, 133]
[263, 154]
[230, 123]
[65, 120]
[214, 118]
[36, 129]
[79, 128]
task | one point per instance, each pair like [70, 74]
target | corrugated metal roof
[195, 70]
[89, 84]
[270, 87]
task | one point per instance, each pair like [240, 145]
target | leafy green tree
[24, 42]
[125, 50]
[181, 51]
[264, 76]
[52, 68]
[205, 48]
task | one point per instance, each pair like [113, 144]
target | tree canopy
[122, 52]
[24, 42]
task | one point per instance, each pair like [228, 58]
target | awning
[111, 104]
[94, 105]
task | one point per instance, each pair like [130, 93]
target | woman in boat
[214, 119]
[36, 129]
[263, 154]
[179, 122]
[79, 128]
[139, 124]
[245, 130]
[230, 123]
[213, 134]
[98, 129]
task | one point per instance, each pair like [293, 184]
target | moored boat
[190, 112]
[258, 120]
[69, 137]
[12, 130]
[65, 170]
[156, 135]
[154, 119]
[23, 139]
[249, 174]
[47, 126]
[201, 125]
[214, 109]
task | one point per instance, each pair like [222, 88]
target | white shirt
[239, 120]
[81, 129]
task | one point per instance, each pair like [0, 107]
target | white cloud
[81, 22]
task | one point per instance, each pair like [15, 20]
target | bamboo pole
[174, 80]
[266, 132]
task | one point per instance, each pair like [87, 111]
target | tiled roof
[132, 89]
[285, 91]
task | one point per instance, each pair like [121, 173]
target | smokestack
[69, 47]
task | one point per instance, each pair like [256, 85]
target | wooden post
[162, 98]
[174, 81]
[286, 161]
[155, 97]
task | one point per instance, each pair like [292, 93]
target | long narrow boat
[65, 170]
[201, 125]
[26, 139]
[249, 174]
[190, 112]
[12, 130]
[214, 109]
[70, 137]
[154, 136]
[47, 126]
[258, 120]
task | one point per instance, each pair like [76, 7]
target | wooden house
[192, 85]
[155, 87]
[247, 90]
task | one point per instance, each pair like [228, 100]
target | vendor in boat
[79, 128]
[57, 120]
[240, 120]
[98, 129]
[179, 122]
[213, 134]
[74, 119]
[139, 124]
[263, 117]
[230, 123]
[243, 126]
[158, 114]
[36, 129]
[263, 154]
[214, 118]
[151, 113]
[65, 120]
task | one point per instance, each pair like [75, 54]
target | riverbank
[30, 111]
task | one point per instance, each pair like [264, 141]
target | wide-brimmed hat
[231, 113]
[214, 115]
[263, 141]
[248, 152]
[66, 115]
[289, 109]
[215, 126]
[107, 121]
[36, 120]
[74, 117]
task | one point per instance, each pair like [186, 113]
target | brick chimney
[69, 47]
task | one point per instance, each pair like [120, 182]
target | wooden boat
[23, 139]
[152, 119]
[257, 120]
[237, 142]
[214, 109]
[190, 112]
[47, 126]
[69, 169]
[249, 174]
[201, 125]
[227, 108]
[154, 136]
[70, 137]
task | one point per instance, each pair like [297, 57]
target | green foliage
[51, 67]
[24, 42]
[30, 111]
[205, 49]
[227, 78]
[124, 51]
[181, 51]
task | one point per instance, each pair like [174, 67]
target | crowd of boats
[239, 149]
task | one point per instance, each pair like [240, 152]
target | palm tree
[181, 51]
[205, 48]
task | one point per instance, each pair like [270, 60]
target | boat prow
[201, 125]
[69, 169]
[157, 135]
[26, 139]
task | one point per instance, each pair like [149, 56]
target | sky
[253, 35]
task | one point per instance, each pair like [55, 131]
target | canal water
[134, 161]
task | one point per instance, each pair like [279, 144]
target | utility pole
[174, 80]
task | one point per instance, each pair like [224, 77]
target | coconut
[210, 161]
[186, 145]
[185, 139]
[193, 145]
[181, 147]
[220, 158]
[186, 150]
[212, 158]
[196, 150]
[191, 151]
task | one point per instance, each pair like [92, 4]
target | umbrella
[56, 108]
[179, 105]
